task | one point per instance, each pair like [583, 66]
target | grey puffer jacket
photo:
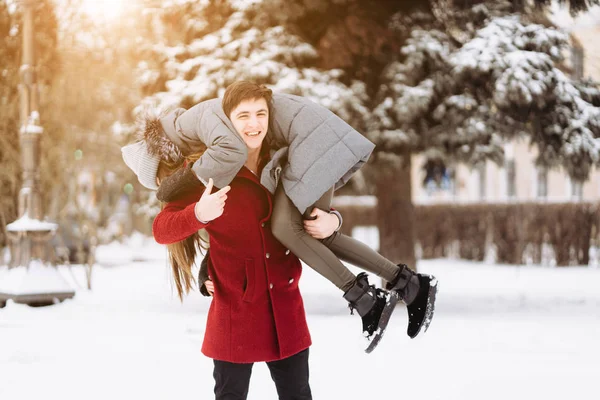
[313, 149]
[321, 149]
[205, 124]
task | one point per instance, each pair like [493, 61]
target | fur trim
[151, 131]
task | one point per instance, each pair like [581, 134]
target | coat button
[268, 255]
[287, 252]
[291, 281]
[271, 286]
[262, 225]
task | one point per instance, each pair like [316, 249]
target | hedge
[570, 229]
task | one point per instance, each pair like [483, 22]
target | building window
[438, 178]
[576, 189]
[542, 182]
[511, 178]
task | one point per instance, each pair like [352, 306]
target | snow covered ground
[500, 332]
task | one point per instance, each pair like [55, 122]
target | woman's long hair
[182, 255]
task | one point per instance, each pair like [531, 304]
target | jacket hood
[151, 131]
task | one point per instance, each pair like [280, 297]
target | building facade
[517, 180]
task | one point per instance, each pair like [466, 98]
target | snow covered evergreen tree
[458, 94]
[505, 80]
[202, 47]
[224, 41]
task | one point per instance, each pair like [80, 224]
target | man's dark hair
[244, 90]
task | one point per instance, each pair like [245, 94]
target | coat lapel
[245, 173]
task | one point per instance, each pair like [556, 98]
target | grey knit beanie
[142, 163]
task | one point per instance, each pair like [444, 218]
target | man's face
[251, 121]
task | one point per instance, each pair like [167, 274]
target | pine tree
[458, 94]
[244, 40]
[575, 6]
[201, 48]
[326, 51]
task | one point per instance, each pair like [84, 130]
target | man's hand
[323, 226]
[210, 206]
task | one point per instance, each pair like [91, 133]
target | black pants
[290, 376]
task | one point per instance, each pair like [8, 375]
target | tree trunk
[518, 6]
[395, 211]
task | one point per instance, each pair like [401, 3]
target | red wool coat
[257, 312]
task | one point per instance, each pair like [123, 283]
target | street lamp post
[29, 279]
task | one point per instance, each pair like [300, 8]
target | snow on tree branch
[505, 80]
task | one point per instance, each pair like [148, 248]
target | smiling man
[248, 110]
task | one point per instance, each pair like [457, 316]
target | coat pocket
[250, 286]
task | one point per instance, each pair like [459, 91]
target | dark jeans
[290, 376]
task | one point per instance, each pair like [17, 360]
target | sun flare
[105, 9]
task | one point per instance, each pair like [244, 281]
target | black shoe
[418, 291]
[375, 307]
[420, 311]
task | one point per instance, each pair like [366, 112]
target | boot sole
[433, 288]
[389, 308]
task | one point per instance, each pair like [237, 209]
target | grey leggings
[324, 255]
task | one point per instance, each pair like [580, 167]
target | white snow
[499, 332]
[560, 16]
[37, 278]
[30, 224]
[32, 129]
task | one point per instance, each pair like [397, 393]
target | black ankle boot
[375, 307]
[418, 291]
